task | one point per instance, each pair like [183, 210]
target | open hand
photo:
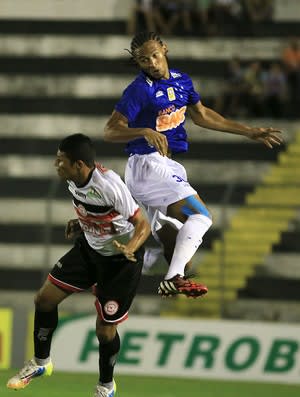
[125, 251]
[268, 136]
[72, 229]
[159, 141]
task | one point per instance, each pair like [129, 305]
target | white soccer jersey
[103, 207]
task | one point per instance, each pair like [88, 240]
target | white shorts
[156, 181]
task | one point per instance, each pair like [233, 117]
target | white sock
[42, 361]
[188, 240]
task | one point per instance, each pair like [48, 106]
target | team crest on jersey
[111, 307]
[171, 94]
[92, 193]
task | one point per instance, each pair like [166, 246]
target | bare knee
[105, 332]
[43, 302]
[48, 297]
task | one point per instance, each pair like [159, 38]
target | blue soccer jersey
[160, 105]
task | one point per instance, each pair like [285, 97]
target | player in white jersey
[109, 232]
[150, 118]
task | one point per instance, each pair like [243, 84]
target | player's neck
[84, 178]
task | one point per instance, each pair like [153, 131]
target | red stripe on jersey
[101, 167]
[134, 215]
[97, 217]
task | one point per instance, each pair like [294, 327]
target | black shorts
[116, 277]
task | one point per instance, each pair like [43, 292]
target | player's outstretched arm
[208, 118]
[141, 233]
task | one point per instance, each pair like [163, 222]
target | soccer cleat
[102, 391]
[181, 285]
[27, 373]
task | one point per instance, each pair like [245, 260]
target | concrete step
[44, 126]
[288, 160]
[234, 281]
[111, 46]
[206, 171]
[212, 259]
[253, 236]
[275, 196]
[262, 211]
[259, 225]
[240, 247]
[86, 86]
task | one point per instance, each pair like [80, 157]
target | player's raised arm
[208, 118]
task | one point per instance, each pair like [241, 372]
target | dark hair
[78, 147]
[141, 38]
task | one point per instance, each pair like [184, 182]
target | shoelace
[101, 391]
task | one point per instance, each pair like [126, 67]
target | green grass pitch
[72, 385]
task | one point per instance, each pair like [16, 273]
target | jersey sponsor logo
[171, 94]
[165, 121]
[158, 94]
[98, 225]
[111, 307]
[80, 194]
[97, 229]
[92, 193]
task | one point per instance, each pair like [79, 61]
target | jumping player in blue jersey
[150, 118]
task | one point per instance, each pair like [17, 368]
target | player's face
[65, 169]
[151, 58]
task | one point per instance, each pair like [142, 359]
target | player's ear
[165, 48]
[80, 164]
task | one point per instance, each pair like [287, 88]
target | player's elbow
[108, 133]
[147, 229]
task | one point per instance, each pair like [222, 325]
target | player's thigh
[187, 206]
[49, 296]
[117, 283]
[74, 272]
[157, 181]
